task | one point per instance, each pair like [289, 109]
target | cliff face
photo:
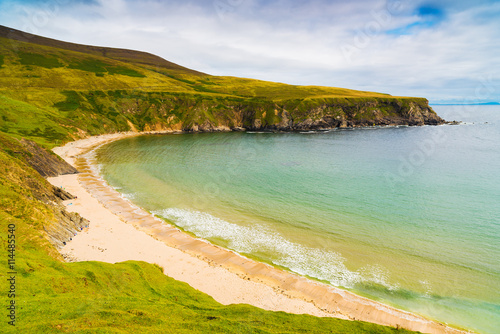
[303, 115]
[307, 115]
[45, 163]
[48, 165]
[350, 113]
[66, 227]
[182, 112]
[23, 163]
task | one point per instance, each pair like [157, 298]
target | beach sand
[119, 231]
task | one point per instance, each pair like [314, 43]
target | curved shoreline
[226, 276]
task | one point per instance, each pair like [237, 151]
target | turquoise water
[409, 216]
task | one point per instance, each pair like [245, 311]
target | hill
[52, 92]
[129, 56]
[77, 90]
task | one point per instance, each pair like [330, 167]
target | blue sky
[444, 50]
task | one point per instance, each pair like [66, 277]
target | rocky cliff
[157, 111]
[66, 224]
[45, 163]
[304, 115]
[17, 157]
[335, 113]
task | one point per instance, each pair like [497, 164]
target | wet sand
[120, 231]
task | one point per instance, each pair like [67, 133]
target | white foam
[129, 196]
[314, 262]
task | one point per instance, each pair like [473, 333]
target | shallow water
[408, 216]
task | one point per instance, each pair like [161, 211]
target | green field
[53, 92]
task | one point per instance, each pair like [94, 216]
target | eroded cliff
[155, 111]
[18, 158]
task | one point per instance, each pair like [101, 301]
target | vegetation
[35, 59]
[53, 92]
[99, 68]
[21, 119]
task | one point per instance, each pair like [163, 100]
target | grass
[137, 75]
[100, 68]
[35, 59]
[72, 102]
[21, 119]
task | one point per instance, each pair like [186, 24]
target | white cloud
[299, 42]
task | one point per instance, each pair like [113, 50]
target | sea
[408, 216]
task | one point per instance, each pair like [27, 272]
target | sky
[445, 50]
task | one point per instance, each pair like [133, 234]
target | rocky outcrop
[45, 163]
[349, 113]
[320, 115]
[62, 194]
[67, 226]
[62, 225]
[164, 111]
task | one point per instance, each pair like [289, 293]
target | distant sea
[409, 216]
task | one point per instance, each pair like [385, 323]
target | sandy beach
[119, 231]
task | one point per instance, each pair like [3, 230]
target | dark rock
[62, 194]
[45, 163]
[68, 224]
[346, 113]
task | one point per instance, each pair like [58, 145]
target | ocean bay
[407, 216]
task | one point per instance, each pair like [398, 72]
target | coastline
[119, 232]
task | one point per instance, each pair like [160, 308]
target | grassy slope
[51, 93]
[131, 297]
[76, 90]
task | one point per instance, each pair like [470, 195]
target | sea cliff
[161, 111]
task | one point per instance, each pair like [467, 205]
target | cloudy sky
[445, 50]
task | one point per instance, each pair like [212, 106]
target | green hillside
[53, 92]
[76, 90]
